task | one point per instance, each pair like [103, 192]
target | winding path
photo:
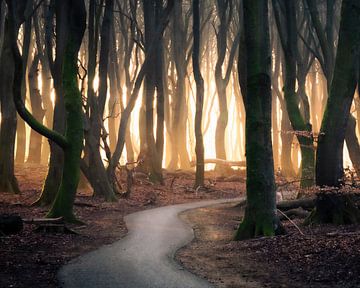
[143, 258]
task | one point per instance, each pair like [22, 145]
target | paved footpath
[144, 258]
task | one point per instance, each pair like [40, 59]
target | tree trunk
[56, 161]
[154, 81]
[334, 208]
[260, 215]
[329, 162]
[352, 144]
[224, 13]
[179, 153]
[299, 124]
[48, 108]
[63, 204]
[21, 130]
[37, 111]
[98, 180]
[287, 136]
[8, 182]
[199, 146]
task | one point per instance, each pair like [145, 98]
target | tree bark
[37, 111]
[74, 16]
[260, 214]
[98, 180]
[329, 161]
[56, 161]
[199, 145]
[298, 122]
[21, 131]
[352, 143]
[179, 153]
[8, 182]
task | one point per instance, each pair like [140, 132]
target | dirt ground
[32, 259]
[325, 256]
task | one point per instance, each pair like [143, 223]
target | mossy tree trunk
[54, 64]
[199, 145]
[74, 18]
[335, 208]
[74, 133]
[288, 35]
[329, 162]
[260, 215]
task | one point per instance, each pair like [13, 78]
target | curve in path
[143, 258]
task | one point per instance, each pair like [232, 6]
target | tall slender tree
[225, 14]
[287, 30]
[199, 146]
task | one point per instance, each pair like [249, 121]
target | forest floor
[325, 256]
[32, 259]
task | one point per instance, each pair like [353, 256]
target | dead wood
[305, 203]
[44, 221]
[221, 162]
[54, 228]
[84, 204]
[294, 213]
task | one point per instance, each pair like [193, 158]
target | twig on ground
[292, 222]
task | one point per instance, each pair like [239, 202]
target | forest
[179, 143]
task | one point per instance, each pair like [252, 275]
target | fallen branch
[221, 162]
[43, 221]
[84, 204]
[297, 212]
[306, 203]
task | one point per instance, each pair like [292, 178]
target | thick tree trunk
[74, 16]
[8, 182]
[260, 214]
[63, 204]
[334, 208]
[329, 162]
